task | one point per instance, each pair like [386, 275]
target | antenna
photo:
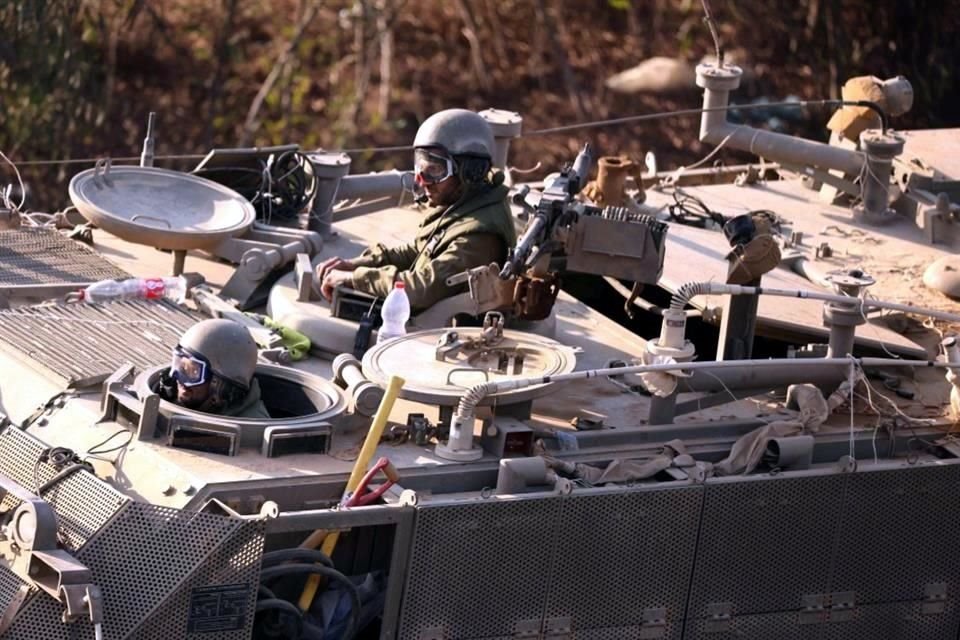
[708, 18]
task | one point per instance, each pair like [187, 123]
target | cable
[673, 176]
[708, 18]
[692, 211]
[286, 611]
[6, 193]
[273, 573]
[97, 454]
[693, 289]
[853, 383]
[658, 115]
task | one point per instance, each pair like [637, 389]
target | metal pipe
[373, 185]
[747, 377]
[365, 396]
[469, 401]
[693, 289]
[506, 125]
[714, 128]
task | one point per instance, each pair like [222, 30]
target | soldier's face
[443, 193]
[192, 397]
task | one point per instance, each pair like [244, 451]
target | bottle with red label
[174, 288]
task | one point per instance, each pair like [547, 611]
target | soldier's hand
[333, 280]
[330, 264]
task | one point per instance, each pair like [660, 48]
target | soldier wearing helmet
[212, 371]
[468, 223]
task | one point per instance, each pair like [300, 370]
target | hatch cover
[437, 380]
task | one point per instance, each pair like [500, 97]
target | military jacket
[476, 231]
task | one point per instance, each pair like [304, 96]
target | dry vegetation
[78, 77]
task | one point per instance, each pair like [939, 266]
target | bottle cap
[398, 285]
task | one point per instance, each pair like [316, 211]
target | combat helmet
[226, 347]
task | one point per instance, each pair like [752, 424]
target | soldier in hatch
[468, 224]
[212, 371]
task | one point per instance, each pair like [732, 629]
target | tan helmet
[459, 132]
[227, 346]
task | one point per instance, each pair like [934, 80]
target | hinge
[558, 628]
[817, 608]
[934, 598]
[842, 606]
[719, 617]
[527, 628]
[813, 608]
[653, 624]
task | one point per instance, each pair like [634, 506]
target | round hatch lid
[440, 364]
[160, 208]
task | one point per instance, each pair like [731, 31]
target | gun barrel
[530, 237]
[582, 166]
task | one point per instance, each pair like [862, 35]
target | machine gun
[608, 241]
[556, 207]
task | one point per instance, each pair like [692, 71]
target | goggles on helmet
[188, 369]
[430, 167]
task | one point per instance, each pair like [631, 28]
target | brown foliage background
[78, 77]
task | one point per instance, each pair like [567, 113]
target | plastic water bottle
[174, 288]
[395, 313]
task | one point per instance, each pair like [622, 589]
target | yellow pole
[359, 469]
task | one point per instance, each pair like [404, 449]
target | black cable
[93, 451]
[61, 475]
[58, 458]
[690, 210]
[286, 570]
[289, 617]
[659, 115]
[289, 187]
[264, 593]
[296, 554]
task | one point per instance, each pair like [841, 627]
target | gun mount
[606, 241]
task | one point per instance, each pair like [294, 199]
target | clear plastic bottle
[395, 313]
[174, 288]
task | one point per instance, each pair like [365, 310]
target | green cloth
[474, 232]
[250, 407]
[295, 342]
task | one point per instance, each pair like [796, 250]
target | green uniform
[250, 407]
[475, 232]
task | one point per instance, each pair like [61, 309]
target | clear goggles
[430, 167]
[188, 369]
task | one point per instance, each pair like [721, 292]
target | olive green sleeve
[379, 255]
[426, 283]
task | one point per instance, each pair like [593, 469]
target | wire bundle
[277, 617]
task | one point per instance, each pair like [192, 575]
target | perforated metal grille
[138, 560]
[83, 503]
[631, 633]
[236, 562]
[477, 569]
[899, 529]
[765, 543]
[895, 621]
[619, 554]
[768, 626]
[9, 586]
[32, 257]
[82, 344]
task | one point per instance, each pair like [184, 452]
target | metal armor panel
[621, 558]
[765, 543]
[477, 569]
